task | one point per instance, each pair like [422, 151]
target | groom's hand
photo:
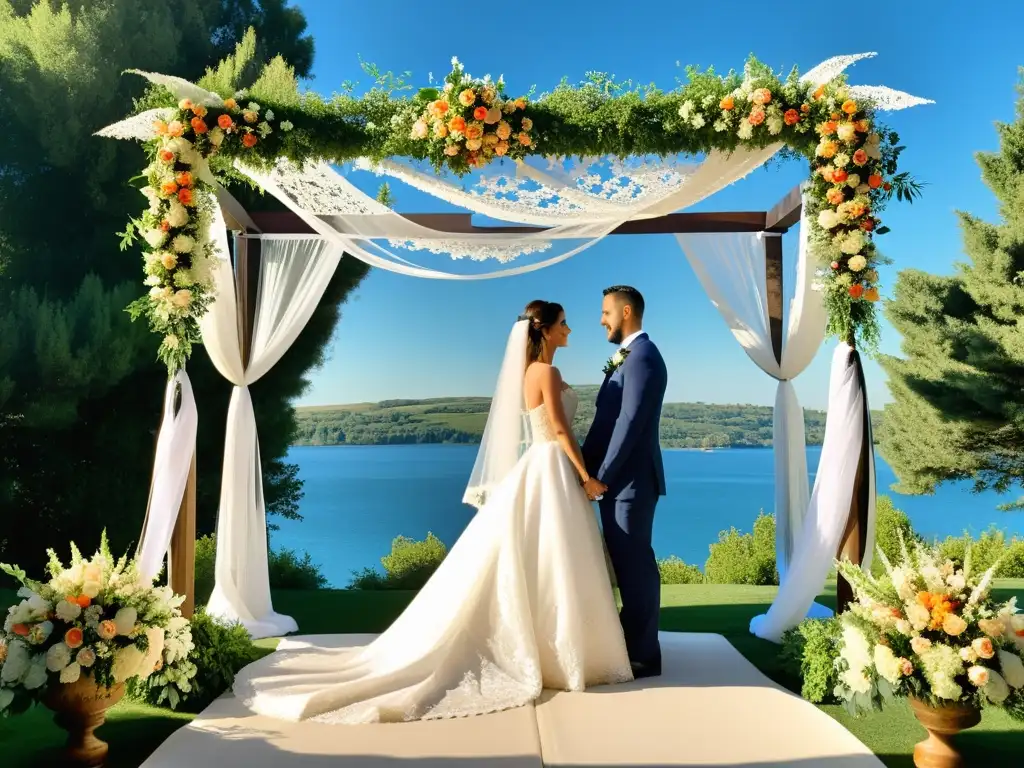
[594, 488]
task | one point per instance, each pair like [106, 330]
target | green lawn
[134, 731]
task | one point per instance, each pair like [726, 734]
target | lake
[358, 498]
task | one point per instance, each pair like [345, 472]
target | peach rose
[493, 116]
[860, 157]
[834, 265]
[165, 226]
[818, 92]
[106, 629]
[856, 291]
[166, 155]
[874, 181]
[828, 149]
[920, 644]
[169, 260]
[439, 108]
[504, 130]
[175, 128]
[953, 625]
[792, 117]
[169, 187]
[520, 103]
[160, 127]
[871, 294]
[827, 172]
[524, 139]
[979, 676]
[862, 126]
[199, 110]
[249, 140]
[762, 96]
[727, 103]
[849, 107]
[457, 123]
[756, 116]
[73, 638]
[440, 130]
[805, 108]
[501, 148]
[467, 97]
[992, 627]
[906, 665]
[199, 125]
[834, 196]
[474, 131]
[474, 144]
[185, 196]
[827, 128]
[230, 103]
[250, 117]
[984, 648]
[451, 150]
[225, 121]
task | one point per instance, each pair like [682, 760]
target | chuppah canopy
[558, 211]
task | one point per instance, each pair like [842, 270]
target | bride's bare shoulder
[543, 371]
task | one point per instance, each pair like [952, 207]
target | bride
[523, 600]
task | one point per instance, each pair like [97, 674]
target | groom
[622, 451]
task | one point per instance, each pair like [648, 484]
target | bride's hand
[594, 488]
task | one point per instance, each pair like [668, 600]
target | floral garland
[469, 123]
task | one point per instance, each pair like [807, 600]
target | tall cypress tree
[958, 410]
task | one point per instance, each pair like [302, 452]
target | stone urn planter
[81, 707]
[942, 723]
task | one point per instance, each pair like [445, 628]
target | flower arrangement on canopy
[469, 122]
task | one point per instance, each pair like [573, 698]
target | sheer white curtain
[294, 273]
[175, 446]
[818, 541]
[731, 268]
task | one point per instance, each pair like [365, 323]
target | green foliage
[744, 558]
[809, 653]
[958, 404]
[890, 525]
[219, 651]
[674, 571]
[409, 565]
[287, 569]
[80, 390]
[462, 419]
[991, 547]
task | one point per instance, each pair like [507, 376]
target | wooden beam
[181, 561]
[785, 213]
[775, 293]
[247, 275]
[286, 222]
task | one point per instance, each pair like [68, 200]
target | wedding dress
[522, 602]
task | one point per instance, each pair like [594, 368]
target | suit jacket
[622, 448]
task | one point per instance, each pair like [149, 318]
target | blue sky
[407, 337]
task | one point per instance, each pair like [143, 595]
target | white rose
[171, 341]
[91, 589]
[154, 237]
[216, 137]
[856, 680]
[36, 675]
[774, 126]
[183, 244]
[125, 620]
[853, 180]
[828, 219]
[85, 657]
[420, 129]
[177, 215]
[887, 664]
[920, 644]
[996, 689]
[155, 635]
[57, 657]
[70, 673]
[852, 244]
[68, 611]
[126, 663]
[904, 628]
[857, 263]
[182, 298]
[1013, 668]
[969, 655]
[841, 160]
[845, 131]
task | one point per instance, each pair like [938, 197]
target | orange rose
[439, 108]
[225, 121]
[860, 157]
[84, 601]
[874, 181]
[834, 116]
[862, 126]
[20, 629]
[727, 103]
[867, 225]
[199, 110]
[250, 117]
[458, 123]
[480, 113]
[856, 291]
[168, 187]
[839, 175]
[501, 148]
[73, 637]
[792, 117]
[185, 196]
[249, 140]
[198, 125]
[166, 155]
[473, 131]
[818, 92]
[160, 127]
[524, 139]
[756, 116]
[827, 128]
[805, 108]
[165, 226]
[520, 103]
[230, 103]
[184, 179]
[850, 107]
[834, 196]
[762, 96]
[827, 172]
[175, 128]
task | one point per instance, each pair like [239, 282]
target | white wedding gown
[522, 602]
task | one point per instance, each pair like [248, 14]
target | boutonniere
[615, 361]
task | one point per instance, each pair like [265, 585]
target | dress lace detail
[522, 602]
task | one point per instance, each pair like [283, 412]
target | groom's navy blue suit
[623, 451]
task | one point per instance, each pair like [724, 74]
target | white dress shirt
[629, 339]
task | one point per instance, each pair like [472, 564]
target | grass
[134, 730]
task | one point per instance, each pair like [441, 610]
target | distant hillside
[461, 420]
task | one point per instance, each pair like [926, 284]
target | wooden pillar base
[181, 563]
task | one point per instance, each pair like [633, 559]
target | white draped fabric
[732, 270]
[818, 541]
[175, 446]
[294, 273]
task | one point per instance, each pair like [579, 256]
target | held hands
[595, 489]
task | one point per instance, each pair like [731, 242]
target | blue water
[358, 498]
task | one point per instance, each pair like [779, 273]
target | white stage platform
[710, 708]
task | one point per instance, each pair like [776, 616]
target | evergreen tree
[80, 386]
[959, 387]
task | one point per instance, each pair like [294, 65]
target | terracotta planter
[942, 723]
[81, 708]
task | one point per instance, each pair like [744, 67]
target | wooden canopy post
[181, 559]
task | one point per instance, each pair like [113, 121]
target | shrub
[675, 571]
[809, 653]
[890, 524]
[219, 651]
[744, 558]
[991, 546]
[409, 565]
[286, 569]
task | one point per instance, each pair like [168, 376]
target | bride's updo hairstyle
[542, 315]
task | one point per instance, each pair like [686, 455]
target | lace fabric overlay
[521, 603]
